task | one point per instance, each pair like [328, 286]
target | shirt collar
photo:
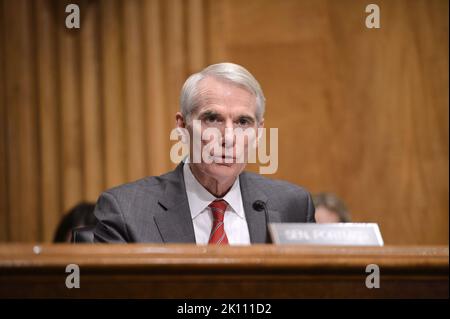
[199, 197]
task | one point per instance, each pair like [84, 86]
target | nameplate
[347, 234]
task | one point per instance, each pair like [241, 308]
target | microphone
[259, 206]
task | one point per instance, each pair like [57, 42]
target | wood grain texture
[175, 64]
[49, 117]
[112, 90]
[361, 112]
[155, 105]
[22, 118]
[70, 116]
[196, 51]
[189, 271]
[91, 112]
[4, 198]
[134, 88]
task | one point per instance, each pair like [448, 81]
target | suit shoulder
[146, 185]
[293, 201]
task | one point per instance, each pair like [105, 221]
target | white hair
[230, 72]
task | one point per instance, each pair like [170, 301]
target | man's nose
[228, 138]
[229, 124]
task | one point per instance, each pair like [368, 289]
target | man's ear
[180, 120]
[260, 127]
[259, 132]
[261, 123]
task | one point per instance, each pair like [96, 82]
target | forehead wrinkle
[216, 92]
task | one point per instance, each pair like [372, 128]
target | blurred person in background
[330, 209]
[79, 216]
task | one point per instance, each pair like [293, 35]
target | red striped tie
[218, 235]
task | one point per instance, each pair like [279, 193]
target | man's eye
[243, 122]
[211, 119]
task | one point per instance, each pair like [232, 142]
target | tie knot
[218, 208]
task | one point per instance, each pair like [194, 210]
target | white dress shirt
[199, 198]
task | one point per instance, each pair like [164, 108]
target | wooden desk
[189, 271]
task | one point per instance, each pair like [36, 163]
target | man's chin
[225, 170]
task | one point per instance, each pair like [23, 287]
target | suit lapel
[256, 220]
[174, 221]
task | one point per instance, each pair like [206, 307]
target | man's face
[223, 106]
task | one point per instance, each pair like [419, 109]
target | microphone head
[259, 205]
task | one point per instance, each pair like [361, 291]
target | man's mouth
[224, 159]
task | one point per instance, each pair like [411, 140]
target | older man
[203, 201]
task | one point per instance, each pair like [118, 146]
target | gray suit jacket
[156, 209]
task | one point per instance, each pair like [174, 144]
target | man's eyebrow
[247, 117]
[211, 113]
[208, 113]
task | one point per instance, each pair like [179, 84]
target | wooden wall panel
[174, 30]
[362, 113]
[155, 104]
[20, 98]
[49, 117]
[112, 90]
[196, 48]
[134, 88]
[91, 112]
[4, 198]
[70, 117]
